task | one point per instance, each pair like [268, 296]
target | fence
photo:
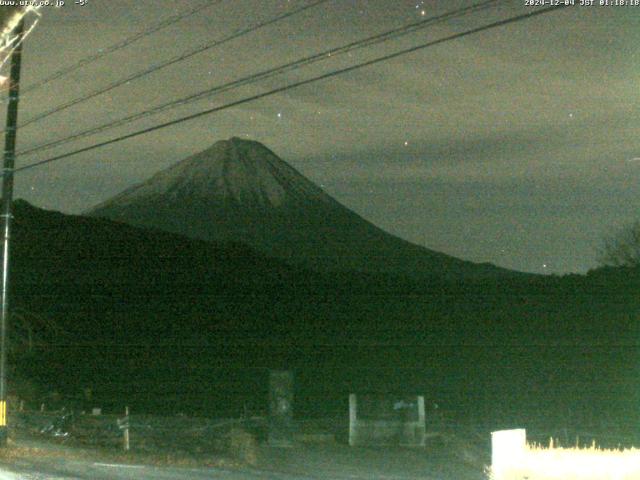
[145, 432]
[513, 458]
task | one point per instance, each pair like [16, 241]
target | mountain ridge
[239, 190]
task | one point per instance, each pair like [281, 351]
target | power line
[120, 45]
[172, 61]
[274, 91]
[324, 55]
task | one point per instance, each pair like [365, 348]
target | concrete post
[508, 449]
[353, 419]
[422, 423]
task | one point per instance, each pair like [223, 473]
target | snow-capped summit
[239, 190]
[237, 171]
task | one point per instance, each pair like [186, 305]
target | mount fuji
[239, 190]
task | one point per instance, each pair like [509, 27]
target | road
[317, 462]
[74, 470]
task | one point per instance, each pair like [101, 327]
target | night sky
[519, 146]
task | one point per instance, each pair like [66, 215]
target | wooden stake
[126, 430]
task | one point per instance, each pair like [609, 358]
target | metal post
[7, 199]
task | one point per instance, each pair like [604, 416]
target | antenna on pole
[5, 217]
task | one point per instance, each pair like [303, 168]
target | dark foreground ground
[442, 459]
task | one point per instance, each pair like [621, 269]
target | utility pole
[7, 199]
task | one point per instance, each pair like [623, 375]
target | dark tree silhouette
[622, 248]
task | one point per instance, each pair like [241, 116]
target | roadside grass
[28, 449]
